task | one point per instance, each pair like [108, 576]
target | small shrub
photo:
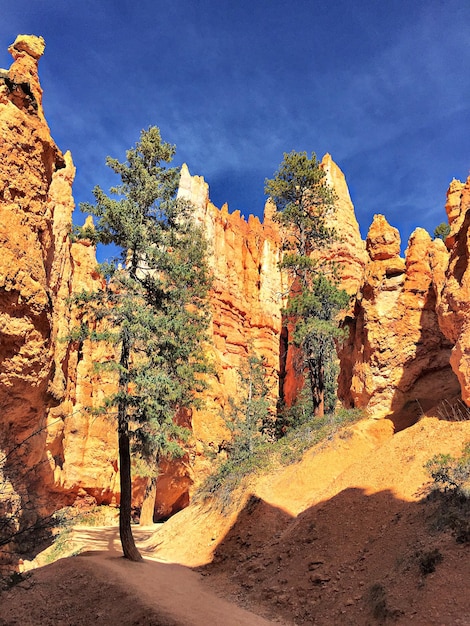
[377, 600]
[92, 515]
[13, 579]
[229, 475]
[99, 515]
[442, 231]
[242, 463]
[451, 488]
[450, 473]
[290, 448]
[456, 411]
[428, 561]
[60, 547]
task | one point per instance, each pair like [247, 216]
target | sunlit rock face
[82, 446]
[249, 293]
[34, 227]
[348, 252]
[50, 446]
[396, 359]
[246, 302]
[454, 287]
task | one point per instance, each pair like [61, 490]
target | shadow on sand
[325, 565]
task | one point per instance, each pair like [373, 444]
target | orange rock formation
[42, 388]
[34, 267]
[396, 359]
[454, 290]
[246, 303]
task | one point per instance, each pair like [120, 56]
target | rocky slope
[342, 537]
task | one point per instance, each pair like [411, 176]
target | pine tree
[442, 231]
[153, 307]
[305, 202]
[248, 416]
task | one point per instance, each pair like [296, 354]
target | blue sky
[383, 85]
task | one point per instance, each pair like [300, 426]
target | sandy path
[176, 592]
[309, 545]
[102, 588]
[173, 590]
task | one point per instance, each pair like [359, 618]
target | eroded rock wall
[453, 285]
[396, 359]
[46, 440]
[349, 251]
[246, 302]
[32, 226]
[82, 446]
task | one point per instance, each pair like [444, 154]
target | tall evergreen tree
[304, 202]
[153, 307]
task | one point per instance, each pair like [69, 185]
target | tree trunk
[148, 505]
[127, 540]
[317, 385]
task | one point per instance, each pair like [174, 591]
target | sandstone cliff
[35, 270]
[246, 302]
[348, 252]
[453, 286]
[44, 435]
[396, 359]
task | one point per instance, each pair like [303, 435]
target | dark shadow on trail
[106, 539]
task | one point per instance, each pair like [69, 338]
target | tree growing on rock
[304, 203]
[442, 231]
[153, 307]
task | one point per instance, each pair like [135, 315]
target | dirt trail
[100, 587]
